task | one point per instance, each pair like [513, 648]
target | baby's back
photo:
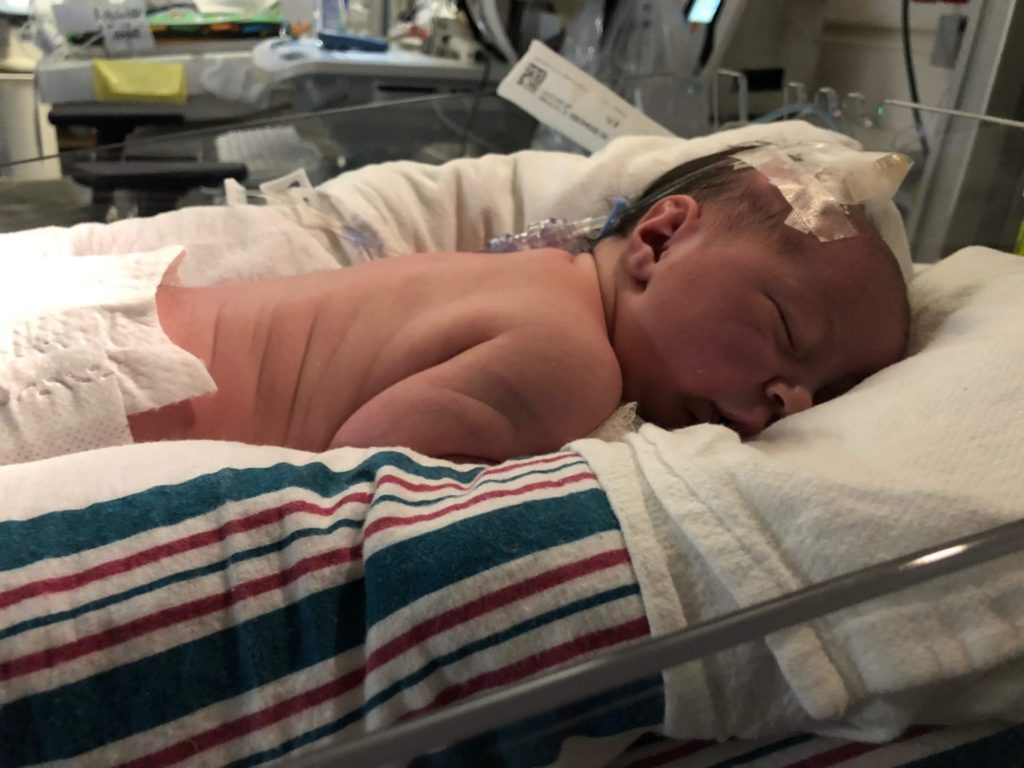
[423, 350]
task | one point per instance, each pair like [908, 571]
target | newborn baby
[701, 306]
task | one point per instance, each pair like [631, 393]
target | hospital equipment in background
[20, 137]
[649, 58]
[756, 61]
[447, 127]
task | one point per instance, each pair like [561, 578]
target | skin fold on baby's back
[294, 358]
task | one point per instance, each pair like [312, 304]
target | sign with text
[125, 27]
[563, 96]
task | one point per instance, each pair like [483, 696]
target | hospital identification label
[125, 27]
[564, 97]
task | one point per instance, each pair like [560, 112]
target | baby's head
[725, 313]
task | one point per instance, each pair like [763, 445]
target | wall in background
[863, 51]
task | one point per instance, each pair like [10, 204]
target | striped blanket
[235, 617]
[238, 616]
[978, 746]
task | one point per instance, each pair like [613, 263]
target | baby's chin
[690, 411]
[677, 413]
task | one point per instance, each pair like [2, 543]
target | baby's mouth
[706, 412]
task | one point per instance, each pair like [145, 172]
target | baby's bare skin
[451, 354]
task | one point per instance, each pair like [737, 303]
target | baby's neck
[607, 257]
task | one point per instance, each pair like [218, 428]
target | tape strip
[815, 210]
[819, 180]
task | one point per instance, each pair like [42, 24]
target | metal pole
[483, 713]
[956, 113]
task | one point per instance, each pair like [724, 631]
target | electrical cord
[908, 60]
[475, 107]
[460, 130]
[476, 28]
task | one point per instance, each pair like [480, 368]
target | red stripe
[676, 753]
[171, 548]
[390, 521]
[241, 525]
[144, 625]
[501, 469]
[216, 535]
[837, 755]
[492, 602]
[856, 749]
[193, 745]
[530, 665]
[534, 462]
[232, 730]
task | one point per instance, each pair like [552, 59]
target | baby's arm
[520, 393]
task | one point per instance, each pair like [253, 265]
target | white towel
[221, 243]
[81, 349]
[923, 452]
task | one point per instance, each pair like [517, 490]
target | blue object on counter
[342, 41]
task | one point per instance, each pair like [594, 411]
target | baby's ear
[668, 221]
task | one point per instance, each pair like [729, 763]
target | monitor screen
[703, 11]
[14, 7]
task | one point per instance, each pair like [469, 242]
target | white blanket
[925, 451]
[461, 204]
[412, 207]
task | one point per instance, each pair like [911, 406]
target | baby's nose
[787, 399]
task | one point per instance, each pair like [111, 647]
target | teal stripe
[423, 672]
[764, 750]
[206, 570]
[537, 741]
[548, 617]
[67, 532]
[407, 570]
[113, 705]
[1000, 750]
[144, 694]
[176, 578]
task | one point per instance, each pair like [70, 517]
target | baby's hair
[726, 190]
[716, 177]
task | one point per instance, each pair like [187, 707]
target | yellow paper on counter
[124, 80]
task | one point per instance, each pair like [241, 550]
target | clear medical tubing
[648, 57]
[570, 236]
[401, 743]
[581, 46]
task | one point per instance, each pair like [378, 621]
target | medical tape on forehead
[815, 209]
[820, 180]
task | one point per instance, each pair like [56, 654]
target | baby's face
[731, 330]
